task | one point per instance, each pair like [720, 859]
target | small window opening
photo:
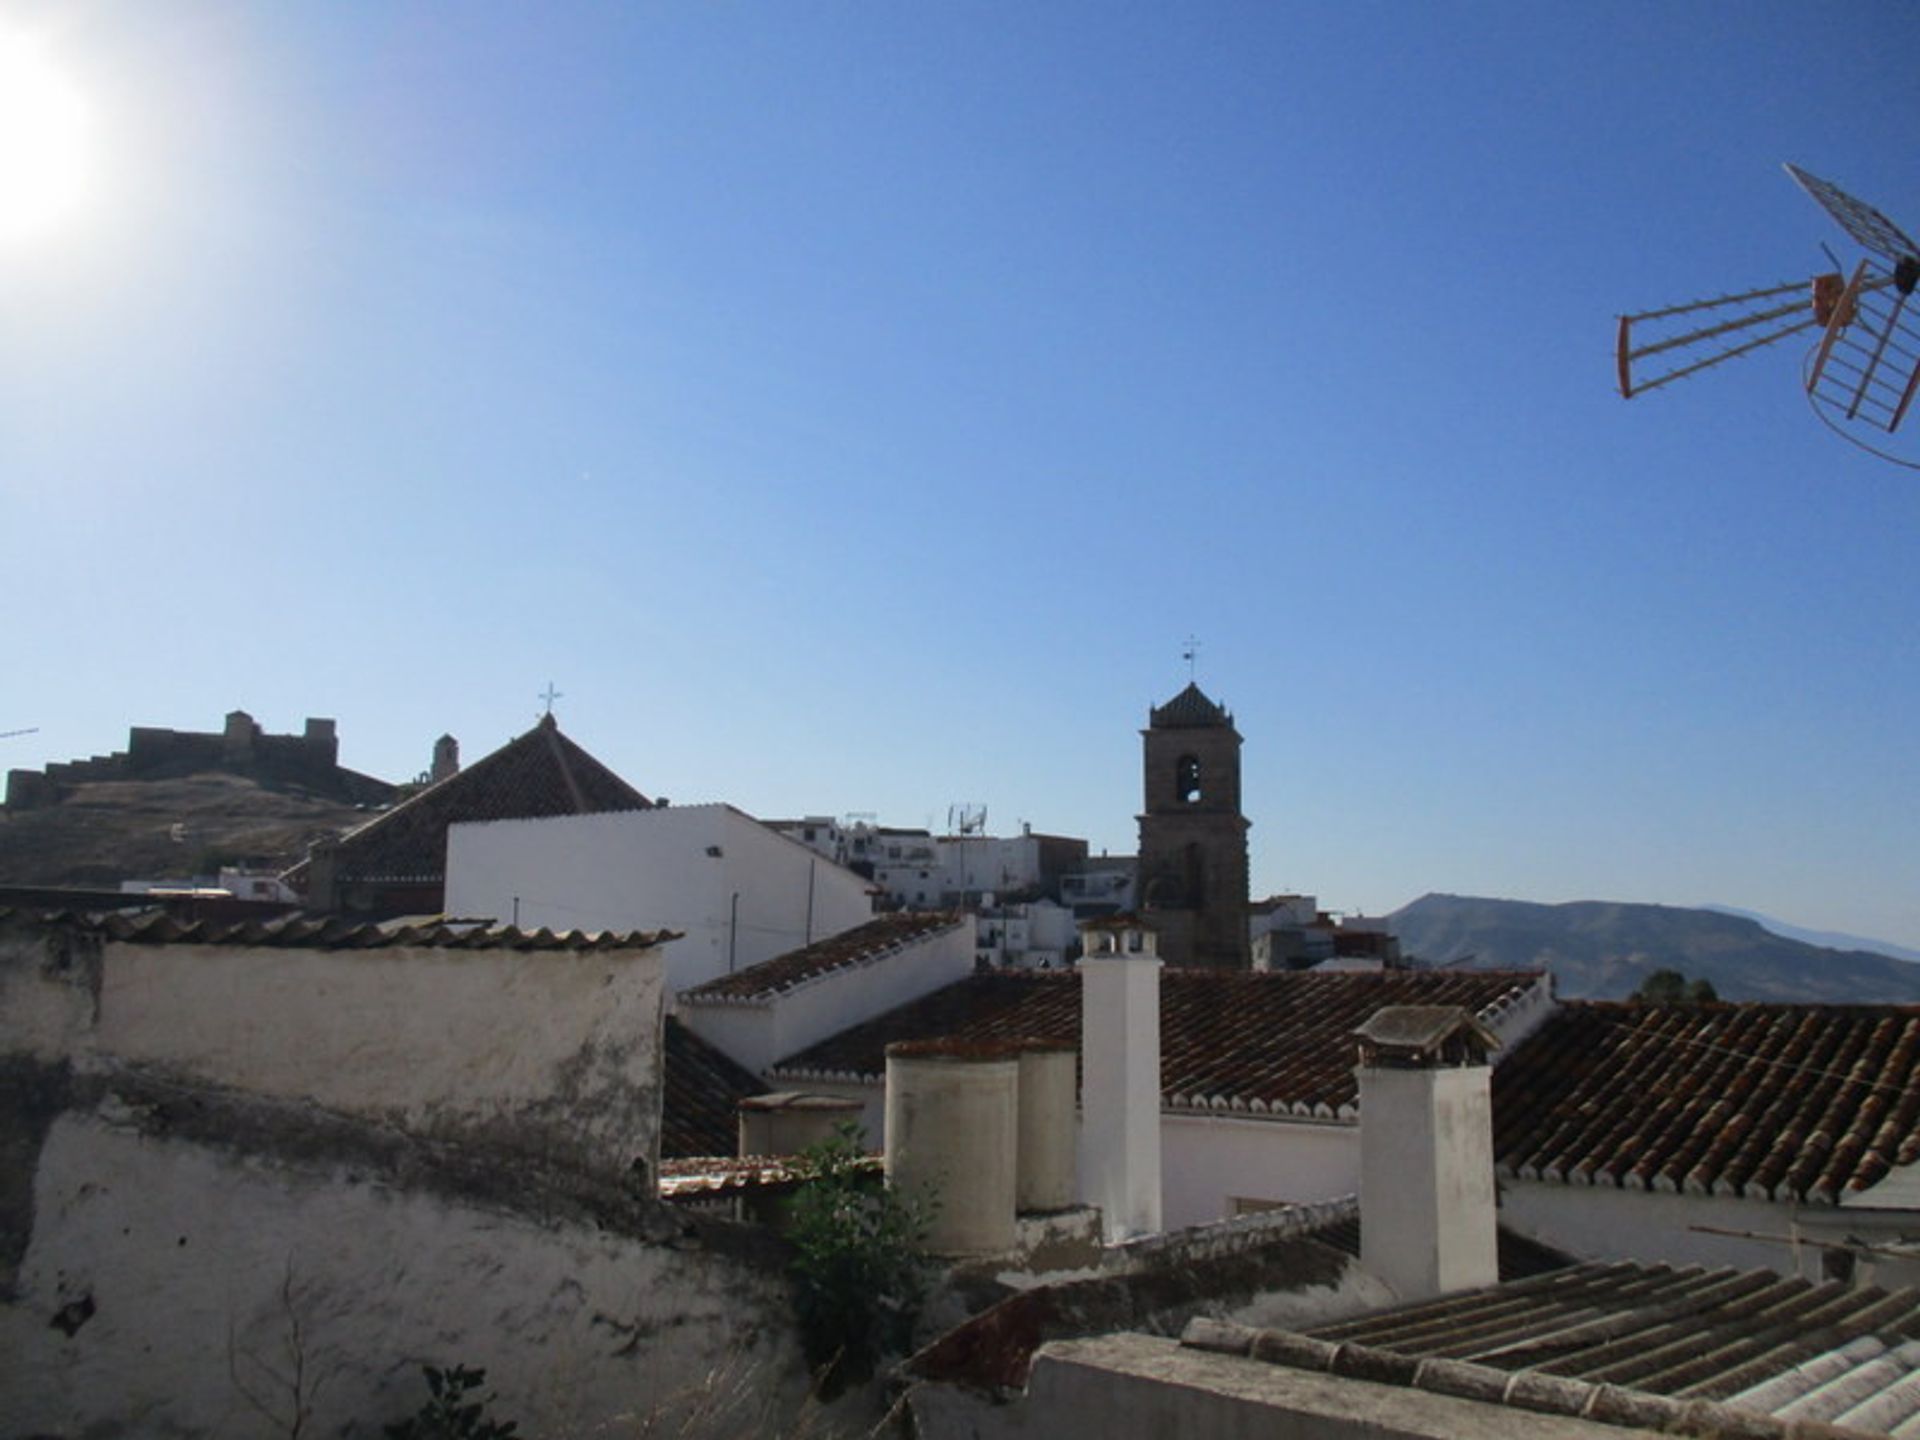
[1187, 779]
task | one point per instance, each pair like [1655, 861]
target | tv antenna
[966, 819]
[1863, 364]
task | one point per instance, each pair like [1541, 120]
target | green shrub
[859, 1275]
[450, 1414]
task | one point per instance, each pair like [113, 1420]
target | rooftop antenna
[1863, 365]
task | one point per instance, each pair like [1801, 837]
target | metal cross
[1191, 655]
[550, 695]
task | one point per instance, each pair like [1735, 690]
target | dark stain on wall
[32, 1095]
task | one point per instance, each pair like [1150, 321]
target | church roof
[1190, 708]
[538, 774]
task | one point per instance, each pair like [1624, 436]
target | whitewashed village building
[737, 892]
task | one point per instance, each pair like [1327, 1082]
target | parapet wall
[548, 1053]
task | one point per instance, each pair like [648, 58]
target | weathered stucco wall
[546, 1052]
[186, 1258]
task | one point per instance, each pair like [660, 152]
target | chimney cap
[1424, 1035]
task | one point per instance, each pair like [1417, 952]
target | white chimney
[953, 1137]
[1427, 1224]
[1120, 1075]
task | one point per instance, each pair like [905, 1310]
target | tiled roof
[1278, 1042]
[1776, 1102]
[861, 945]
[696, 1179]
[1692, 1351]
[157, 927]
[540, 773]
[1189, 708]
[700, 1097]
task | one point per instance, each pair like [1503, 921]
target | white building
[737, 892]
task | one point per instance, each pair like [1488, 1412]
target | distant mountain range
[1603, 950]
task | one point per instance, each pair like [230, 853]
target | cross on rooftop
[550, 695]
[1191, 655]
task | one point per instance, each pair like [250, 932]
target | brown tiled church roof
[1775, 1102]
[1257, 1042]
[701, 1095]
[540, 773]
[858, 946]
[1190, 707]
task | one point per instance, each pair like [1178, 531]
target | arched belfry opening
[1193, 838]
[1186, 780]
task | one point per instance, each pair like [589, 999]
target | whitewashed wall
[1603, 1222]
[550, 1052]
[677, 868]
[171, 1255]
[1209, 1161]
[759, 1033]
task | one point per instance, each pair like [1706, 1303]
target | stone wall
[205, 1264]
[310, 759]
[239, 1181]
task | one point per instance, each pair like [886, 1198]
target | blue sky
[853, 407]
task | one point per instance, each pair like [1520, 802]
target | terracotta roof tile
[1808, 1102]
[861, 945]
[157, 927]
[703, 1088]
[1635, 1344]
[538, 774]
[1278, 1042]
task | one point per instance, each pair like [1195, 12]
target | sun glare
[43, 142]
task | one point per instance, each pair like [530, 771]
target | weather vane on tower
[1191, 654]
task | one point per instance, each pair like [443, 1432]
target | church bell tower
[1193, 839]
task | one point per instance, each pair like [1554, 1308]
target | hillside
[151, 829]
[1603, 950]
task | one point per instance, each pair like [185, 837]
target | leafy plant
[452, 1412]
[858, 1271]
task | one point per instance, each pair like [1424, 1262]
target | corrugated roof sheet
[156, 927]
[1804, 1102]
[1278, 1042]
[861, 945]
[538, 774]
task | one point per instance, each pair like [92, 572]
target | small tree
[859, 1275]
[1670, 987]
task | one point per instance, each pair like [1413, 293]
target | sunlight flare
[43, 141]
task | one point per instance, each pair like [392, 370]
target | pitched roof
[878, 938]
[1690, 1350]
[1189, 709]
[158, 927]
[1774, 1102]
[700, 1097]
[1277, 1042]
[537, 774]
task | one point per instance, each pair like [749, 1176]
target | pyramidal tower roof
[1189, 708]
